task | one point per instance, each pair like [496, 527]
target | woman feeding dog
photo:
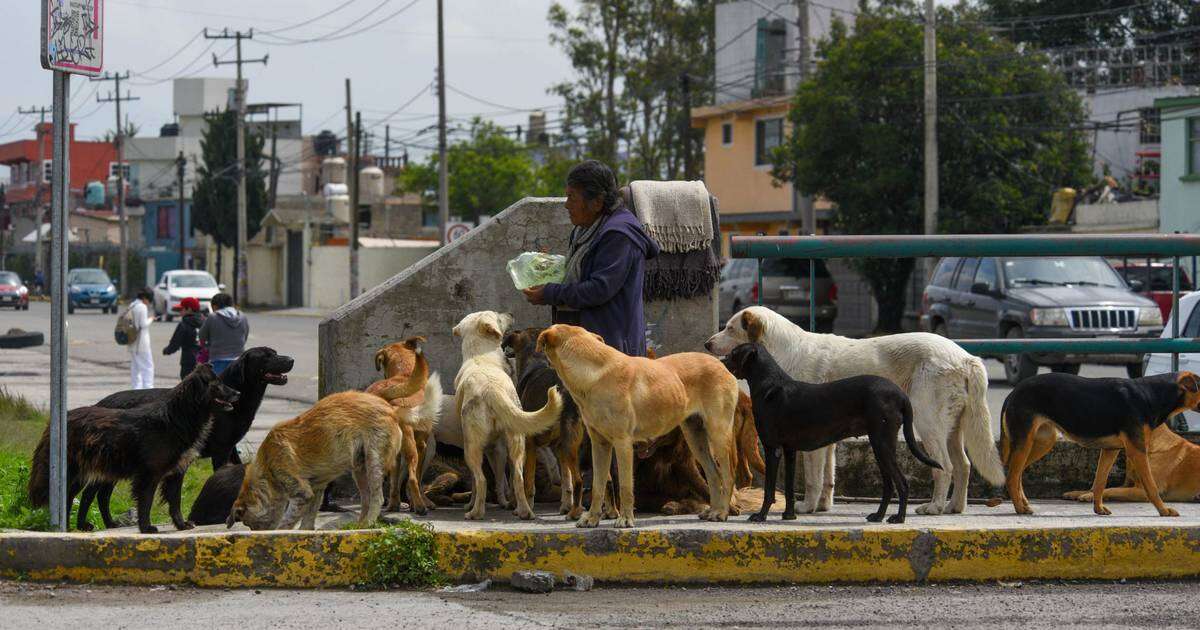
[602, 288]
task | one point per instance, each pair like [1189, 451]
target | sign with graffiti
[73, 36]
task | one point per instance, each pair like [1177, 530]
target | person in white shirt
[141, 368]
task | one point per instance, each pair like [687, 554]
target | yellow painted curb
[650, 556]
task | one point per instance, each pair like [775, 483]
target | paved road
[1005, 605]
[91, 340]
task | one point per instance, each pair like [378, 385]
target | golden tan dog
[627, 399]
[1174, 464]
[489, 407]
[400, 362]
[348, 432]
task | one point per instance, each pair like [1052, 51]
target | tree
[487, 172]
[1092, 23]
[1009, 132]
[131, 130]
[214, 199]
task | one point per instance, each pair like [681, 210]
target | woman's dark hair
[221, 300]
[145, 294]
[595, 180]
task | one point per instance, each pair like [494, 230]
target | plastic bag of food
[531, 269]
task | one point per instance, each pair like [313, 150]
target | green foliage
[858, 137]
[402, 555]
[215, 195]
[487, 172]
[1105, 24]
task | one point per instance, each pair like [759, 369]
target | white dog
[489, 407]
[947, 386]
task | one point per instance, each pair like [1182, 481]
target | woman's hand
[535, 295]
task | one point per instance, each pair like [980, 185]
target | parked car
[784, 290]
[1153, 280]
[182, 283]
[1055, 297]
[13, 292]
[90, 288]
[1189, 326]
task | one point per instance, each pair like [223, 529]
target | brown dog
[399, 363]
[626, 399]
[1174, 464]
[351, 432]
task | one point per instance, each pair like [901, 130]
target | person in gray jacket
[224, 333]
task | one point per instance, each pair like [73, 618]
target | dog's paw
[1076, 495]
[575, 513]
[954, 508]
[717, 516]
[186, 525]
[757, 517]
[874, 517]
[565, 508]
[1102, 510]
[789, 516]
[149, 529]
[419, 510]
[1168, 512]
[587, 520]
[1023, 509]
[895, 519]
[86, 527]
[474, 515]
[624, 522]
[929, 509]
[524, 514]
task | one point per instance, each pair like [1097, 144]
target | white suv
[1189, 328]
[182, 283]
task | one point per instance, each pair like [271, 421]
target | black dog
[213, 504]
[249, 374]
[795, 416]
[1106, 413]
[151, 443]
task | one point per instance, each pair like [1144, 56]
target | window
[1193, 324]
[1148, 127]
[945, 271]
[164, 222]
[768, 134]
[727, 134]
[46, 171]
[987, 274]
[966, 275]
[769, 57]
[112, 170]
[1193, 146]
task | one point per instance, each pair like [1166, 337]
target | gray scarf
[581, 241]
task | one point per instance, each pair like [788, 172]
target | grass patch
[21, 426]
[402, 555]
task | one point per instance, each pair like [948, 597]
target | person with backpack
[186, 339]
[141, 366]
[224, 333]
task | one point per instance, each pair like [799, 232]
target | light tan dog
[400, 362]
[348, 432]
[1174, 464]
[489, 407]
[626, 399]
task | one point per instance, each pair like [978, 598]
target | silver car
[784, 289]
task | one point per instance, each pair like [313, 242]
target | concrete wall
[330, 270]
[468, 275]
[265, 271]
[1117, 146]
[1179, 196]
[1133, 216]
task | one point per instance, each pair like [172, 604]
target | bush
[402, 555]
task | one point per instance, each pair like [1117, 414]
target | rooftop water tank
[338, 207]
[370, 185]
[93, 195]
[335, 190]
[333, 170]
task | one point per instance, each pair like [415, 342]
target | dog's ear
[546, 338]
[1189, 382]
[380, 359]
[488, 329]
[506, 320]
[597, 337]
[752, 325]
[235, 515]
[455, 331]
[743, 356]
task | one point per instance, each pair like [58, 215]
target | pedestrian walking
[224, 333]
[141, 365]
[186, 339]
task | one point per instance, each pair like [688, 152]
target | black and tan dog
[794, 416]
[1106, 413]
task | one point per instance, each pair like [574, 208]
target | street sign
[73, 36]
[456, 229]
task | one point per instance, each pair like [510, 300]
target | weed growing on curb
[402, 555]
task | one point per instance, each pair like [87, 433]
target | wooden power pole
[119, 141]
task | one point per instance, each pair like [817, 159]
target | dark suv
[1057, 297]
[784, 290]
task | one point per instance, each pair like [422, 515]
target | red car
[1153, 280]
[13, 292]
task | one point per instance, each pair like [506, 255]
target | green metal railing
[983, 245]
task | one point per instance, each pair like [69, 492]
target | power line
[336, 37]
[313, 19]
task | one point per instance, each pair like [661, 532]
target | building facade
[1179, 199]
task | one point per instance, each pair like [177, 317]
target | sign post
[72, 43]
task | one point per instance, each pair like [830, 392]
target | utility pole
[931, 147]
[685, 124]
[119, 140]
[352, 183]
[180, 167]
[355, 194]
[37, 195]
[803, 204]
[443, 172]
[240, 290]
[387, 145]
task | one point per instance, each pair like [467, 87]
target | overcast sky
[496, 50]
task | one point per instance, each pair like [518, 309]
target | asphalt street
[1026, 606]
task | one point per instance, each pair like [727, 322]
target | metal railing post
[1175, 311]
[758, 294]
[812, 295]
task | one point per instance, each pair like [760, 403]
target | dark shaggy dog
[794, 416]
[216, 498]
[250, 375]
[146, 444]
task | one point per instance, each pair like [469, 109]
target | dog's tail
[416, 380]
[39, 472]
[431, 407]
[910, 438]
[1005, 441]
[976, 425]
[509, 411]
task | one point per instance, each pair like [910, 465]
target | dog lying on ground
[149, 444]
[946, 385]
[489, 407]
[1174, 465]
[351, 432]
[626, 399]
[216, 497]
[534, 377]
[1106, 413]
[400, 362]
[794, 416]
